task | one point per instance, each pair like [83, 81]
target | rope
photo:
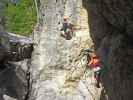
[37, 10]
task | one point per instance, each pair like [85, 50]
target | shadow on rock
[12, 83]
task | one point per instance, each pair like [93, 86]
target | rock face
[15, 47]
[111, 27]
[14, 75]
[13, 83]
[20, 47]
[14, 68]
[15, 52]
[56, 72]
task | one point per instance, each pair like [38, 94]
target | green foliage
[21, 18]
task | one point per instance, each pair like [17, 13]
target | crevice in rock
[28, 73]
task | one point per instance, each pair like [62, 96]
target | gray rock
[13, 83]
[54, 58]
[16, 47]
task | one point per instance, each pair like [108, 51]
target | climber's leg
[97, 77]
[68, 34]
[98, 80]
[63, 34]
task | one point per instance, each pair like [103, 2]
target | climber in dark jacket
[67, 29]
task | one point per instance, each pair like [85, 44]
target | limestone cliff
[57, 69]
[56, 74]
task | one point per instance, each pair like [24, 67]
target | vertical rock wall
[54, 57]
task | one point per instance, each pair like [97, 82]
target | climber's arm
[90, 63]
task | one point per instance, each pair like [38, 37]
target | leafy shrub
[21, 18]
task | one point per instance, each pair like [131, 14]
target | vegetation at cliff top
[21, 18]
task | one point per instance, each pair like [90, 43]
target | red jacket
[95, 62]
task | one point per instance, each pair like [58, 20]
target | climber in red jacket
[95, 65]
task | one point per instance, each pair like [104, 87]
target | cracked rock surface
[54, 58]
